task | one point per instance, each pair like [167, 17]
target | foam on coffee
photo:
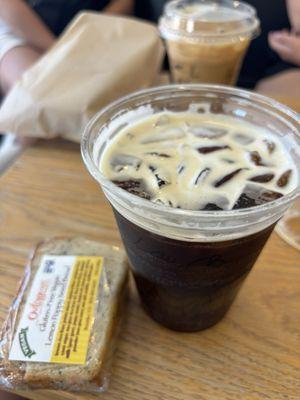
[199, 161]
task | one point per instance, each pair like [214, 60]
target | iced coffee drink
[207, 41]
[197, 177]
[200, 162]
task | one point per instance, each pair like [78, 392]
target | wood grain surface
[254, 353]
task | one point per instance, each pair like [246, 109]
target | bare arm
[26, 23]
[294, 14]
[120, 7]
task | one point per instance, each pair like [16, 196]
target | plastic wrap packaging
[61, 329]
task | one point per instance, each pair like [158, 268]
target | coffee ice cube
[208, 132]
[180, 169]
[157, 154]
[242, 139]
[228, 161]
[256, 158]
[212, 149]
[164, 202]
[161, 180]
[227, 177]
[152, 168]
[168, 134]
[255, 195]
[219, 204]
[121, 161]
[270, 145]
[264, 178]
[284, 178]
[202, 175]
[161, 121]
[134, 186]
[211, 207]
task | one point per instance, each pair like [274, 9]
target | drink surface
[199, 161]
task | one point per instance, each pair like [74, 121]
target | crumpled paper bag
[98, 59]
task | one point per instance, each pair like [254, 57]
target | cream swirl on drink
[199, 161]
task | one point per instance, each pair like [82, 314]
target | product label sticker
[58, 315]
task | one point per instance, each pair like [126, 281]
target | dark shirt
[56, 14]
[149, 9]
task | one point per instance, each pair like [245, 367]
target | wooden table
[290, 101]
[254, 353]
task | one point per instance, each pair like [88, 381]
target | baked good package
[61, 329]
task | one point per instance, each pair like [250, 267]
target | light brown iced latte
[206, 42]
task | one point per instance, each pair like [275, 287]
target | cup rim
[227, 3]
[168, 32]
[147, 204]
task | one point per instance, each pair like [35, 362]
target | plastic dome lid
[208, 20]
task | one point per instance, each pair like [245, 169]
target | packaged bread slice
[94, 374]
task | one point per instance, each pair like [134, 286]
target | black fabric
[149, 9]
[261, 61]
[58, 13]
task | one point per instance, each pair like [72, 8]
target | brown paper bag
[98, 59]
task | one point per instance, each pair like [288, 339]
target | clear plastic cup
[207, 40]
[288, 227]
[189, 265]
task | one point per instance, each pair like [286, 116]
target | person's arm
[26, 23]
[294, 14]
[120, 7]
